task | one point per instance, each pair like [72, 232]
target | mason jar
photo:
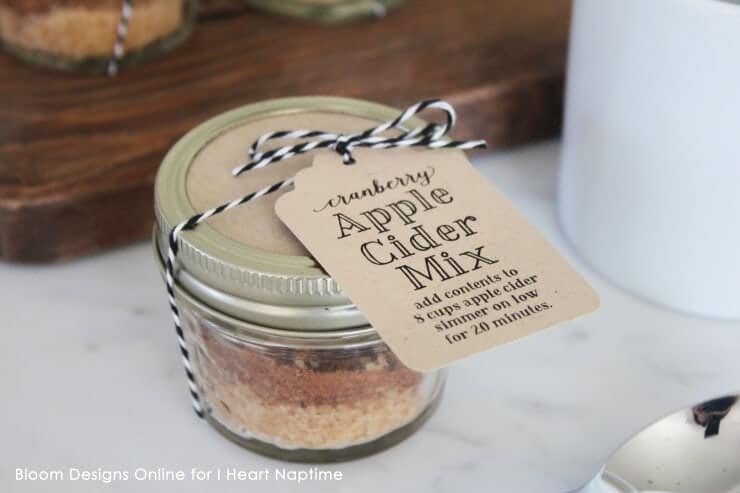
[327, 11]
[80, 35]
[285, 364]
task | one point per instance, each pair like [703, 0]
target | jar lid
[327, 11]
[245, 262]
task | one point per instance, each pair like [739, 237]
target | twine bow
[431, 136]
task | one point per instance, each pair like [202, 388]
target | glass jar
[328, 11]
[80, 35]
[285, 364]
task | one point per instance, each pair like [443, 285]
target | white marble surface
[90, 378]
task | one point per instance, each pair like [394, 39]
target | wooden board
[78, 153]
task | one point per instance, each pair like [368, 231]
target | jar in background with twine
[93, 35]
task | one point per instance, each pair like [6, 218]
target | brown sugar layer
[84, 28]
[312, 426]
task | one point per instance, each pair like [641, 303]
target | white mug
[650, 173]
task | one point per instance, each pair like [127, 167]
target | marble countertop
[91, 380]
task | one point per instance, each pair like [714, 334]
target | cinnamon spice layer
[318, 377]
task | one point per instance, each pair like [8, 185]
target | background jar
[80, 35]
[327, 11]
[285, 363]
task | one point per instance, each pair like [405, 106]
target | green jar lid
[327, 11]
[245, 263]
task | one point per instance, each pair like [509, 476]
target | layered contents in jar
[78, 29]
[306, 399]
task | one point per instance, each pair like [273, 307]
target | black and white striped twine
[430, 136]
[119, 47]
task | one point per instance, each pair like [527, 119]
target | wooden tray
[78, 153]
